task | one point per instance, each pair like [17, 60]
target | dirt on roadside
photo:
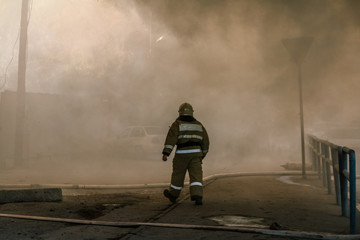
[132, 206]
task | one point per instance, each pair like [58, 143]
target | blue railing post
[313, 145]
[323, 163]
[335, 164]
[343, 182]
[327, 164]
[345, 176]
[352, 179]
[318, 159]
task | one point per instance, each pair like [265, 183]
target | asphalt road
[250, 204]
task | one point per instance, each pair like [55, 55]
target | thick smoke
[144, 58]
[245, 77]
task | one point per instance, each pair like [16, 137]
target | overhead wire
[8, 65]
[13, 49]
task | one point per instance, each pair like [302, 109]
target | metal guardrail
[345, 177]
[325, 154]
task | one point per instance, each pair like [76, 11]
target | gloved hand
[202, 158]
[164, 158]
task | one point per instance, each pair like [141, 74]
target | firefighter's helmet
[186, 109]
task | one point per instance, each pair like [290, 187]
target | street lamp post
[20, 95]
[298, 48]
[302, 125]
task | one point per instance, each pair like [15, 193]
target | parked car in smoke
[139, 141]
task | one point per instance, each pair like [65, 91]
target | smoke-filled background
[115, 63]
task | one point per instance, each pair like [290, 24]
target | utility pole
[20, 96]
[298, 48]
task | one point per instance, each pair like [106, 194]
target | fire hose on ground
[282, 233]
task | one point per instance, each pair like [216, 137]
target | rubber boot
[197, 199]
[169, 196]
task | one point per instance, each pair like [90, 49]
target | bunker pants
[192, 164]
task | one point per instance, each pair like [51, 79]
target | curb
[31, 195]
[148, 185]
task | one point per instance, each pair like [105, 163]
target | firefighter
[192, 144]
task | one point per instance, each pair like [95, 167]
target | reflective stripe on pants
[196, 184]
[175, 187]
